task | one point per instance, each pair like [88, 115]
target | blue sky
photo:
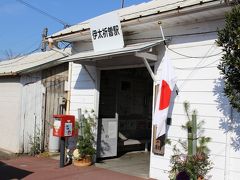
[21, 27]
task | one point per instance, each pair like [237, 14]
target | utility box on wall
[63, 125]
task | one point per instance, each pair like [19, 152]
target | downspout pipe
[70, 64]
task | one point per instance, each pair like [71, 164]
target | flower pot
[200, 178]
[86, 161]
[182, 175]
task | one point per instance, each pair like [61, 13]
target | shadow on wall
[83, 80]
[230, 123]
[194, 38]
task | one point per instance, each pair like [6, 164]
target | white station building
[114, 66]
[115, 75]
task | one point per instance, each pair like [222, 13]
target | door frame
[98, 86]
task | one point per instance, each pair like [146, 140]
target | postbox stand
[62, 152]
[63, 127]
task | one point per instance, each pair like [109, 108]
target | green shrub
[194, 160]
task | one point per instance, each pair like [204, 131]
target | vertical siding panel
[202, 87]
[10, 113]
[31, 109]
[53, 81]
[82, 87]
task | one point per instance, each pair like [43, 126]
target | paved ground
[48, 169]
[132, 163]
[6, 155]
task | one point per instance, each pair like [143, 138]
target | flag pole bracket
[145, 61]
[146, 55]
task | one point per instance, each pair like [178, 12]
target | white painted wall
[31, 109]
[83, 89]
[20, 111]
[10, 100]
[200, 84]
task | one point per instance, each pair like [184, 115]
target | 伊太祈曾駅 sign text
[106, 32]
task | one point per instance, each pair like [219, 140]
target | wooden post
[44, 43]
[158, 146]
[158, 143]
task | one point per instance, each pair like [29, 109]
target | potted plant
[192, 162]
[82, 155]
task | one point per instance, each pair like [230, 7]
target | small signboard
[56, 126]
[68, 129]
[106, 32]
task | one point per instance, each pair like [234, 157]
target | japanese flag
[166, 85]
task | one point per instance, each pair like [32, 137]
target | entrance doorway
[125, 114]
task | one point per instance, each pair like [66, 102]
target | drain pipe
[69, 86]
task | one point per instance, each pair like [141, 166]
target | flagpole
[164, 40]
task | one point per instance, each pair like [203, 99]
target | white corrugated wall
[10, 101]
[83, 89]
[20, 112]
[200, 83]
[31, 110]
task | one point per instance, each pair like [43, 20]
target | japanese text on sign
[106, 32]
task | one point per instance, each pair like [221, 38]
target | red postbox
[63, 125]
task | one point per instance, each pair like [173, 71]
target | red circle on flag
[165, 95]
